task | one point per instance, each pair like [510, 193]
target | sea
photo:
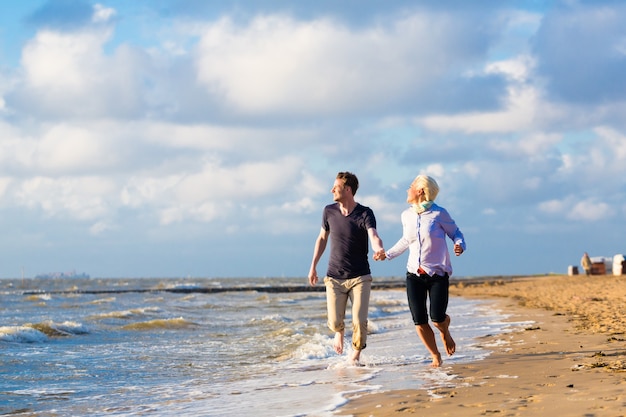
[211, 347]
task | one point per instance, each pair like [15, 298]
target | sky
[197, 138]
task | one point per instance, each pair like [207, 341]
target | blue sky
[194, 138]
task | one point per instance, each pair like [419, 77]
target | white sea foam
[38, 297]
[103, 300]
[66, 328]
[69, 327]
[125, 314]
[184, 286]
[317, 347]
[21, 334]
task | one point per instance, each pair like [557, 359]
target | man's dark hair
[350, 180]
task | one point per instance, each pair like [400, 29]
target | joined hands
[380, 255]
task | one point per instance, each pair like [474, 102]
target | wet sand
[571, 361]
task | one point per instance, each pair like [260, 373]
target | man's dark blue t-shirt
[348, 240]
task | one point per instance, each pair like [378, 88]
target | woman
[425, 226]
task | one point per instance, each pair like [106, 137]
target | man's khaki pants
[338, 291]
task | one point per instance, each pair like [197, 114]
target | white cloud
[615, 143]
[204, 212]
[552, 206]
[61, 148]
[532, 183]
[242, 182]
[278, 64]
[313, 186]
[203, 195]
[143, 190]
[58, 63]
[81, 198]
[102, 13]
[100, 228]
[66, 148]
[589, 210]
[518, 69]
[305, 204]
[524, 108]
[385, 211]
[223, 138]
[532, 145]
[435, 170]
[522, 103]
[598, 162]
[4, 185]
[67, 74]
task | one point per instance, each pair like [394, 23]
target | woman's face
[413, 194]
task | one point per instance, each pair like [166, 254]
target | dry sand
[570, 362]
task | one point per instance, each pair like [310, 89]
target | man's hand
[380, 255]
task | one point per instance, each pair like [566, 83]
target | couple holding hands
[350, 227]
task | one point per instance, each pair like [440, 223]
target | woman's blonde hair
[428, 184]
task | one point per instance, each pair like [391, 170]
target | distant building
[69, 274]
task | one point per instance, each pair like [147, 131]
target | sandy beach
[571, 361]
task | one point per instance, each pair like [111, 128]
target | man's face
[339, 190]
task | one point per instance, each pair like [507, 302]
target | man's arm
[376, 241]
[318, 250]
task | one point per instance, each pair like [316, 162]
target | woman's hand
[380, 255]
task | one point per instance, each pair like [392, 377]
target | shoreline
[571, 361]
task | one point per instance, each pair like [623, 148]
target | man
[585, 262]
[348, 224]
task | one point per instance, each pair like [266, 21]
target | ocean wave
[38, 297]
[67, 328]
[47, 394]
[126, 314]
[317, 347]
[21, 334]
[103, 301]
[184, 287]
[269, 319]
[181, 286]
[389, 302]
[177, 323]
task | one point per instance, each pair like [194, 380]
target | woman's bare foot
[338, 343]
[448, 343]
[446, 337]
[436, 361]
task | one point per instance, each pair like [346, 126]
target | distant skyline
[201, 139]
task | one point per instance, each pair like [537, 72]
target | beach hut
[619, 265]
[600, 265]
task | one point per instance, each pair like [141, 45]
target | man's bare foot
[436, 361]
[338, 343]
[355, 358]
